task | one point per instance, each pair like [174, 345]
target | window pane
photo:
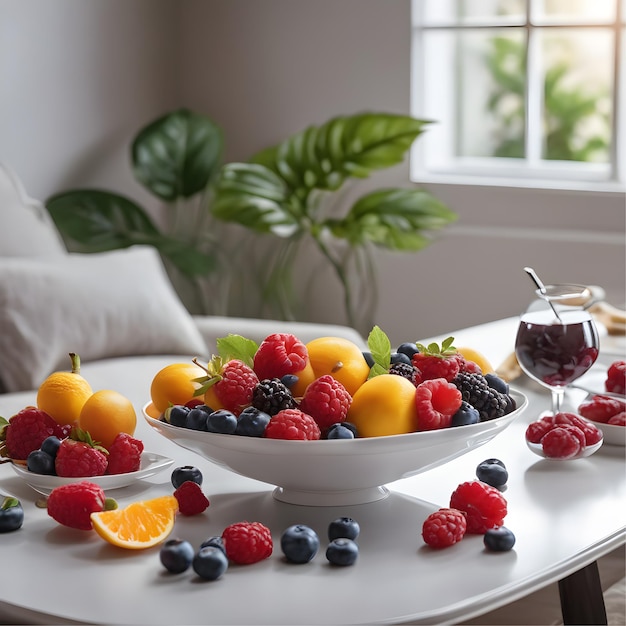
[472, 11]
[574, 11]
[577, 99]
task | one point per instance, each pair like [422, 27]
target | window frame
[499, 171]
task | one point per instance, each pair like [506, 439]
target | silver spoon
[542, 288]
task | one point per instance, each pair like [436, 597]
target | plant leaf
[237, 347]
[91, 220]
[380, 348]
[397, 219]
[177, 155]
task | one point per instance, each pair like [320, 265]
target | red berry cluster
[604, 409]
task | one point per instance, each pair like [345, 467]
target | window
[524, 92]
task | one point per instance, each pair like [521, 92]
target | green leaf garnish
[237, 347]
[380, 348]
[9, 502]
[432, 349]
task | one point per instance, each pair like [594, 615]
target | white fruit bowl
[336, 472]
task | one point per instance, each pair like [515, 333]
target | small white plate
[151, 464]
[612, 434]
[537, 448]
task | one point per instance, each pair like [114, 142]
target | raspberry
[436, 401]
[430, 366]
[592, 433]
[280, 354]
[124, 454]
[292, 424]
[563, 442]
[484, 506]
[271, 396]
[489, 402]
[536, 430]
[27, 429]
[444, 528]
[232, 382]
[326, 401]
[618, 420]
[247, 542]
[191, 499]
[468, 366]
[600, 408]
[78, 456]
[72, 504]
[616, 378]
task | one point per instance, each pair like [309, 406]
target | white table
[565, 515]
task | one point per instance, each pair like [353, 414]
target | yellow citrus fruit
[341, 358]
[480, 359]
[384, 405]
[63, 394]
[305, 377]
[106, 414]
[139, 525]
[174, 384]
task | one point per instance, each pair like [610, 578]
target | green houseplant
[286, 198]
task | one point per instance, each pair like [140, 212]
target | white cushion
[26, 228]
[98, 305]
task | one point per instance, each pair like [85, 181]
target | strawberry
[326, 401]
[228, 384]
[72, 504]
[124, 454]
[26, 431]
[438, 362]
[280, 354]
[79, 456]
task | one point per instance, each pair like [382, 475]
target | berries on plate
[342, 552]
[247, 542]
[573, 435]
[499, 539]
[564, 441]
[493, 472]
[599, 408]
[299, 543]
[124, 454]
[72, 504]
[11, 514]
[79, 456]
[176, 555]
[444, 528]
[436, 401]
[184, 473]
[326, 401]
[484, 506]
[292, 424]
[191, 499]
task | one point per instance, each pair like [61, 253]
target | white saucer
[537, 448]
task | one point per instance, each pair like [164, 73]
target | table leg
[582, 601]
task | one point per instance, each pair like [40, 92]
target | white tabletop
[564, 515]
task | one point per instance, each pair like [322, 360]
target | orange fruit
[480, 359]
[305, 377]
[341, 358]
[174, 384]
[106, 414]
[139, 525]
[63, 394]
[384, 405]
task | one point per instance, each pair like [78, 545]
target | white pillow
[103, 305]
[26, 228]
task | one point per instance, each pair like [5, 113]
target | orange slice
[139, 525]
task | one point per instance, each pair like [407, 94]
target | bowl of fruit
[327, 423]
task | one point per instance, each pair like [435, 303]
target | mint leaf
[237, 347]
[380, 348]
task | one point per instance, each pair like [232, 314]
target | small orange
[384, 405]
[341, 358]
[174, 384]
[63, 394]
[470, 354]
[305, 377]
[140, 525]
[106, 414]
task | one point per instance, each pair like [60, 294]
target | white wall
[79, 77]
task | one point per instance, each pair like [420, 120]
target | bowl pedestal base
[330, 498]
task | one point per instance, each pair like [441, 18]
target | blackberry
[405, 370]
[271, 396]
[476, 391]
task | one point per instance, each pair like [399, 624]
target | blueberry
[465, 415]
[493, 472]
[408, 348]
[184, 473]
[11, 514]
[221, 421]
[495, 382]
[214, 542]
[289, 380]
[369, 359]
[177, 415]
[252, 422]
[400, 357]
[299, 543]
[340, 431]
[210, 563]
[176, 555]
[342, 551]
[197, 418]
[499, 539]
[40, 462]
[343, 528]
[50, 445]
